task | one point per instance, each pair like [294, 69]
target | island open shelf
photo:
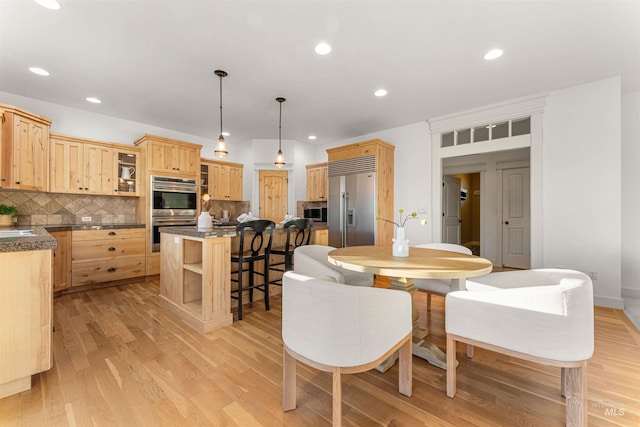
[195, 279]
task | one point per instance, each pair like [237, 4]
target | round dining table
[421, 263]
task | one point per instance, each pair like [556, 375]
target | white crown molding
[506, 110]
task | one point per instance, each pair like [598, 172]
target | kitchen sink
[16, 233]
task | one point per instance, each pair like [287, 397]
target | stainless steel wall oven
[174, 202]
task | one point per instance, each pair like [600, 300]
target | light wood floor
[120, 359]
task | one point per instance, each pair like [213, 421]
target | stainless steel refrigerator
[351, 209]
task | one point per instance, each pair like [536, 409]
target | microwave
[316, 214]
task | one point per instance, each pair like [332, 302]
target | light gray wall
[631, 194]
[581, 188]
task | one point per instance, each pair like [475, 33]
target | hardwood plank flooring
[120, 359]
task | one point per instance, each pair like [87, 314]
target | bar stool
[298, 234]
[258, 250]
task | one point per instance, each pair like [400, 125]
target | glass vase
[400, 244]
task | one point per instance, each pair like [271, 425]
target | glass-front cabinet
[127, 162]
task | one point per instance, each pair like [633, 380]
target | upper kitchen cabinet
[127, 164]
[80, 165]
[317, 182]
[24, 149]
[170, 157]
[223, 179]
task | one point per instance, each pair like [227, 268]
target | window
[487, 132]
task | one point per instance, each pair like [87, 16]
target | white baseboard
[609, 302]
[630, 293]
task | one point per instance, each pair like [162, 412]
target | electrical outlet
[593, 275]
[86, 219]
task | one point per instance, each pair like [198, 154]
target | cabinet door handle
[111, 249]
[111, 269]
[17, 182]
[112, 233]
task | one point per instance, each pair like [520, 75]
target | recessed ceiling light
[225, 134]
[380, 92]
[322, 48]
[94, 100]
[49, 4]
[493, 54]
[312, 137]
[39, 71]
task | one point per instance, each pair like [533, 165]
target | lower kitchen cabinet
[61, 260]
[106, 255]
[25, 318]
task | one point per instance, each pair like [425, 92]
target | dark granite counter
[222, 231]
[42, 240]
[192, 231]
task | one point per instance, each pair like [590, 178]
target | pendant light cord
[280, 129]
[220, 105]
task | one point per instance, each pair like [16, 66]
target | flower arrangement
[403, 221]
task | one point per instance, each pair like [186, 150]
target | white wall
[630, 194]
[581, 194]
[412, 178]
[84, 124]
[260, 154]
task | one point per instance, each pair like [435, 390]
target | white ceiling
[153, 61]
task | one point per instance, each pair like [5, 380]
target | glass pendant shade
[221, 148]
[279, 157]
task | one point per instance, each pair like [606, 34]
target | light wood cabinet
[86, 166]
[320, 237]
[317, 182]
[61, 260]
[26, 304]
[384, 197]
[222, 180]
[105, 255]
[24, 150]
[195, 277]
[126, 162]
[170, 157]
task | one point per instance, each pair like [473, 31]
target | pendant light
[279, 157]
[221, 146]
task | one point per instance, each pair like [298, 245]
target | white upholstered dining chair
[544, 316]
[438, 286]
[312, 260]
[343, 330]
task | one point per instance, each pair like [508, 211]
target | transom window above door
[487, 132]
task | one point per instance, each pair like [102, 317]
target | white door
[516, 227]
[451, 210]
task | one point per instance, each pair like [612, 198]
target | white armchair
[544, 316]
[437, 286]
[312, 260]
[343, 330]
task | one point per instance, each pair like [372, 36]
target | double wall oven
[174, 202]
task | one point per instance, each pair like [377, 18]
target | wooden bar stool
[298, 234]
[258, 249]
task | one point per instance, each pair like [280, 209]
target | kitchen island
[26, 302]
[195, 272]
[195, 275]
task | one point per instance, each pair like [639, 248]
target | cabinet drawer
[87, 272]
[118, 233]
[98, 249]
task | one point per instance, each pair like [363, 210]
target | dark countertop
[42, 240]
[222, 231]
[192, 231]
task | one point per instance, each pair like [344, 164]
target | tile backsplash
[37, 208]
